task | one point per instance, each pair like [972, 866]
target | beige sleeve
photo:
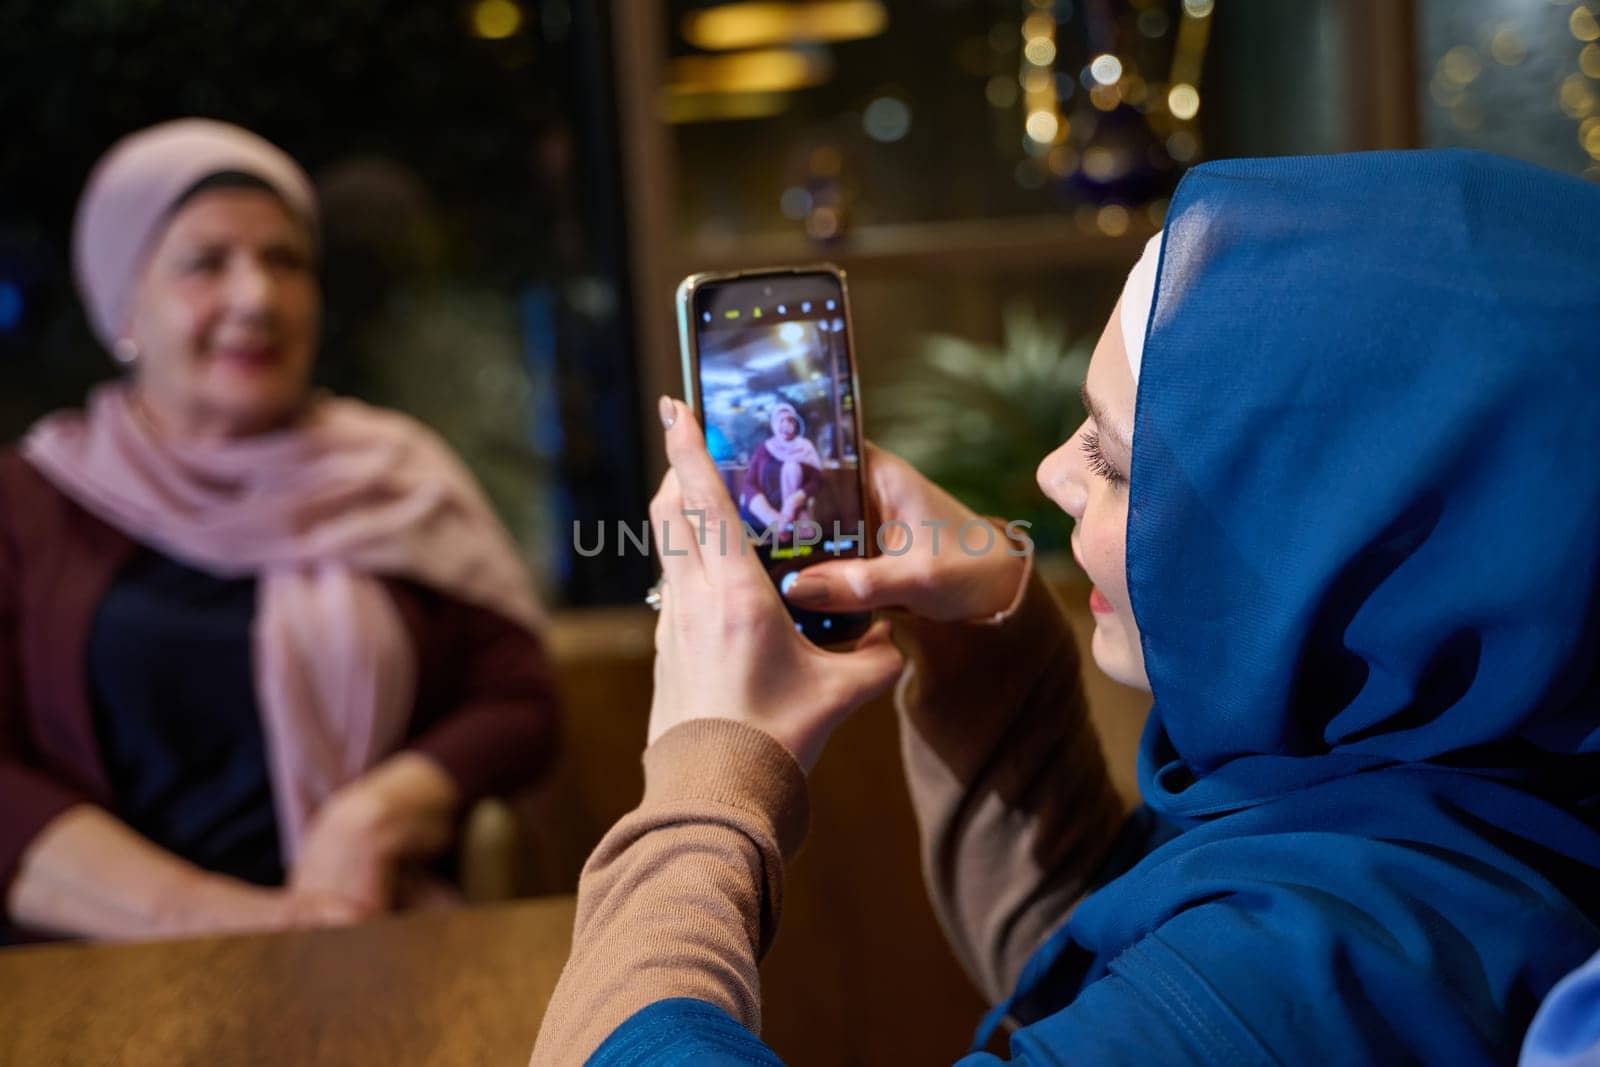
[1015, 809]
[681, 897]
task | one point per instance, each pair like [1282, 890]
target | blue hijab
[1363, 552]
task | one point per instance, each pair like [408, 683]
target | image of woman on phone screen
[784, 476]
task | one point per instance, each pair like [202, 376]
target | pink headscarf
[317, 511]
[796, 449]
[132, 189]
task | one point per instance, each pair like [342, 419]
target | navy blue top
[171, 680]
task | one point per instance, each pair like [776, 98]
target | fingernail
[807, 590]
[669, 412]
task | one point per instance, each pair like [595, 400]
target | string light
[1577, 100]
[1106, 69]
[886, 119]
[1460, 65]
[1183, 80]
[1105, 97]
[1506, 46]
[1063, 161]
[1112, 220]
[1038, 24]
[1583, 25]
[1001, 91]
[1042, 126]
[1589, 137]
[1458, 71]
[1036, 79]
[1575, 96]
[1101, 163]
[1057, 147]
[1153, 22]
[495, 20]
[1183, 101]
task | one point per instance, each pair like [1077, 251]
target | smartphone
[769, 368]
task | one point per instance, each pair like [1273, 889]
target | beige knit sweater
[681, 898]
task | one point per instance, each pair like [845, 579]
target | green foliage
[977, 419]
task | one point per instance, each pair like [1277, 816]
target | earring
[125, 351]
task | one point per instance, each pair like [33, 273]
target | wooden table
[460, 987]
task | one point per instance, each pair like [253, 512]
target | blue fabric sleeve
[1566, 1032]
[679, 1032]
[1112, 1024]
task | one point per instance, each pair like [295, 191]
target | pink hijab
[317, 511]
[125, 204]
[797, 449]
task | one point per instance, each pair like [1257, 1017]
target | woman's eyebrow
[1098, 414]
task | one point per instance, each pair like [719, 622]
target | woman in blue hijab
[1340, 496]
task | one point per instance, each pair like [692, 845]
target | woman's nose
[1060, 477]
[249, 285]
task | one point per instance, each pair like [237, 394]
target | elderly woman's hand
[214, 904]
[940, 560]
[725, 645]
[402, 809]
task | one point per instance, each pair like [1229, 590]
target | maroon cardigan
[485, 709]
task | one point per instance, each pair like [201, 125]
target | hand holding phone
[725, 646]
[941, 561]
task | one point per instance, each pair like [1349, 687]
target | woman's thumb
[849, 585]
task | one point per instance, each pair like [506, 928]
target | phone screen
[775, 387]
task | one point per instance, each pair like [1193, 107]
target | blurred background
[512, 189]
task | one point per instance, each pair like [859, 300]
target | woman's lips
[1097, 600]
[250, 356]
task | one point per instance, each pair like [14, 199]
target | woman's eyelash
[1097, 459]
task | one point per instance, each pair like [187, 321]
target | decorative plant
[977, 419]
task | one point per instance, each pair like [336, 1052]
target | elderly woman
[784, 475]
[1339, 496]
[259, 647]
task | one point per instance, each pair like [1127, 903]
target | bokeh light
[886, 119]
[1183, 101]
[1106, 69]
[495, 20]
[1042, 126]
[11, 306]
[1041, 51]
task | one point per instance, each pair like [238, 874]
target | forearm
[1013, 803]
[88, 874]
[682, 896]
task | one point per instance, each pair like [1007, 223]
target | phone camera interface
[779, 408]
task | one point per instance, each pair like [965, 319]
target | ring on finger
[653, 597]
